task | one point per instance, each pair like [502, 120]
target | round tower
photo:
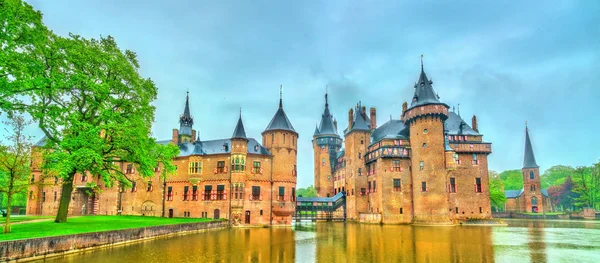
[425, 118]
[326, 145]
[281, 140]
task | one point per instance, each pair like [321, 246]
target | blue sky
[505, 61]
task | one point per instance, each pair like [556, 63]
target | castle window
[207, 192]
[421, 165]
[30, 195]
[195, 168]
[257, 168]
[363, 191]
[452, 185]
[423, 186]
[396, 166]
[456, 159]
[133, 186]
[322, 161]
[220, 192]
[170, 193]
[195, 193]
[220, 166]
[362, 142]
[129, 169]
[256, 193]
[425, 131]
[238, 163]
[397, 185]
[149, 187]
[401, 210]
[531, 175]
[478, 188]
[374, 186]
[284, 138]
[424, 145]
[456, 209]
[293, 194]
[261, 212]
[480, 209]
[272, 137]
[186, 190]
[55, 196]
[329, 177]
[475, 161]
[281, 193]
[43, 197]
[359, 155]
[359, 171]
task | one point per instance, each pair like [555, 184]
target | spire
[186, 111]
[424, 93]
[280, 96]
[327, 124]
[239, 132]
[316, 130]
[185, 120]
[529, 157]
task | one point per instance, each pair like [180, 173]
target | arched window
[531, 175]
[534, 200]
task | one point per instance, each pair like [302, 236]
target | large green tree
[556, 175]
[307, 192]
[497, 196]
[15, 154]
[512, 179]
[86, 95]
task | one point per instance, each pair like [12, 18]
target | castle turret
[281, 140]
[532, 189]
[326, 144]
[425, 117]
[356, 141]
[185, 133]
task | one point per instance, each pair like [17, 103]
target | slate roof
[455, 125]
[528, 157]
[358, 122]
[517, 193]
[340, 153]
[424, 93]
[544, 192]
[239, 132]
[280, 121]
[316, 133]
[217, 147]
[327, 126]
[392, 129]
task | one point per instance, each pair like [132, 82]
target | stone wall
[373, 218]
[37, 248]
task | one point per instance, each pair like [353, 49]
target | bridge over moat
[321, 208]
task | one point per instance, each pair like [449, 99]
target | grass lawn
[547, 213]
[85, 224]
[22, 218]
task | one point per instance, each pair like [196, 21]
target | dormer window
[225, 147]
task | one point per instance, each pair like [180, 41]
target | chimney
[175, 137]
[474, 123]
[364, 112]
[373, 117]
[350, 115]
[404, 107]
[193, 135]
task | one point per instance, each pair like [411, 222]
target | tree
[512, 179]
[86, 95]
[587, 183]
[497, 196]
[556, 175]
[14, 163]
[306, 192]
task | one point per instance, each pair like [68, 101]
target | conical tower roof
[280, 121]
[529, 157]
[424, 93]
[185, 120]
[239, 132]
[327, 126]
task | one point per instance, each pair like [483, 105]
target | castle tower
[281, 140]
[532, 189]
[425, 117]
[239, 141]
[185, 133]
[326, 145]
[356, 141]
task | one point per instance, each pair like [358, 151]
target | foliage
[587, 181]
[562, 196]
[306, 192]
[86, 224]
[14, 162]
[512, 179]
[497, 197]
[88, 98]
[556, 175]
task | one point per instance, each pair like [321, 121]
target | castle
[428, 166]
[531, 198]
[235, 178]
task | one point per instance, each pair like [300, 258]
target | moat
[520, 241]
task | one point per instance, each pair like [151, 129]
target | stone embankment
[39, 248]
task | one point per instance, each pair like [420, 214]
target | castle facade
[428, 166]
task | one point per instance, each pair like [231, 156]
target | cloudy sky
[505, 62]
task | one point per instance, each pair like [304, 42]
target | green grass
[86, 224]
[547, 213]
[21, 218]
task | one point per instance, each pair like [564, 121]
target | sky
[507, 62]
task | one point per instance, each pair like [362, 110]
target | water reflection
[521, 241]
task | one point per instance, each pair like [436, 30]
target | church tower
[326, 145]
[281, 140]
[532, 189]
[185, 134]
[425, 118]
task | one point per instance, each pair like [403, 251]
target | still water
[520, 241]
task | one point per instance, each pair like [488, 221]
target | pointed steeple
[239, 132]
[280, 121]
[529, 157]
[185, 120]
[327, 125]
[424, 93]
[316, 130]
[280, 96]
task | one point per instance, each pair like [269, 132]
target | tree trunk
[9, 203]
[65, 199]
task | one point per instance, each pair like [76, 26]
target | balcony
[471, 147]
[388, 152]
[284, 209]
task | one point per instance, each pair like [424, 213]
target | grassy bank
[22, 218]
[86, 224]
